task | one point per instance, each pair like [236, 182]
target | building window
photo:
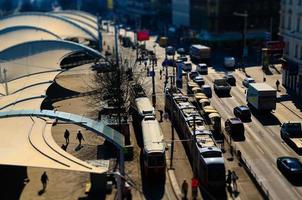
[296, 51]
[298, 23]
[286, 49]
[289, 21]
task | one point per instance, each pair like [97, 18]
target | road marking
[285, 146]
[260, 149]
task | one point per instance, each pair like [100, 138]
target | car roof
[292, 162]
[235, 121]
[243, 107]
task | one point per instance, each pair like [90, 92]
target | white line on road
[260, 149]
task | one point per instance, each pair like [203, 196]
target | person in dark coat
[80, 137]
[184, 189]
[66, 136]
[44, 180]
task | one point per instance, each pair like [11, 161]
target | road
[262, 145]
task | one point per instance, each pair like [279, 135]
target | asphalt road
[262, 145]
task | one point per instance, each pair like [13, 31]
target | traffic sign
[152, 73]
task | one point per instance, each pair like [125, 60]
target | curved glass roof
[38, 56]
[11, 36]
[60, 26]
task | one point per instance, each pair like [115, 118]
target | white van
[229, 62]
[202, 68]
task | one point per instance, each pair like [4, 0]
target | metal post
[244, 40]
[116, 44]
[173, 61]
[5, 81]
[194, 127]
[172, 139]
[122, 173]
[100, 39]
[153, 87]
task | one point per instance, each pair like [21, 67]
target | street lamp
[244, 50]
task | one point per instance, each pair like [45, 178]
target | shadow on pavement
[214, 194]
[14, 179]
[266, 119]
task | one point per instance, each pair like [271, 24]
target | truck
[291, 133]
[221, 87]
[261, 97]
[200, 53]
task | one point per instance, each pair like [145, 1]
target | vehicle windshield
[216, 172]
[156, 160]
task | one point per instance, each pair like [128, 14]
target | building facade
[291, 31]
[181, 12]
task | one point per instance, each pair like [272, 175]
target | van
[202, 68]
[229, 62]
[163, 41]
[234, 127]
[207, 90]
[187, 66]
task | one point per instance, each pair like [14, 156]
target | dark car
[290, 167]
[234, 127]
[242, 112]
[193, 74]
[199, 80]
[181, 51]
[230, 79]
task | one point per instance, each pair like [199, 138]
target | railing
[248, 168]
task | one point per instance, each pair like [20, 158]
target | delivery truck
[200, 53]
[261, 97]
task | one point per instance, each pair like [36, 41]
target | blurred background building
[291, 30]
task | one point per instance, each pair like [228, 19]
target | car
[170, 51]
[230, 79]
[181, 51]
[187, 67]
[242, 112]
[202, 68]
[246, 81]
[207, 90]
[183, 58]
[199, 80]
[234, 127]
[229, 62]
[193, 74]
[290, 166]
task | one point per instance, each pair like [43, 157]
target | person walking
[66, 136]
[184, 189]
[145, 63]
[44, 180]
[277, 85]
[234, 180]
[229, 178]
[161, 115]
[80, 137]
[160, 74]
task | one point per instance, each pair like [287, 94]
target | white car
[229, 62]
[202, 68]
[246, 81]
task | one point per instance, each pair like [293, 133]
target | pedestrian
[155, 59]
[229, 178]
[184, 189]
[194, 185]
[44, 179]
[166, 116]
[145, 63]
[161, 115]
[160, 74]
[80, 137]
[66, 136]
[234, 178]
[277, 84]
[64, 147]
[148, 71]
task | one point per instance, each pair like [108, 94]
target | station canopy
[55, 24]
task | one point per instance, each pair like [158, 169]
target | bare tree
[112, 87]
